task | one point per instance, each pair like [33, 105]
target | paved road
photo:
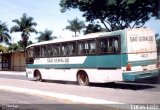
[20, 77]
[151, 85]
[81, 94]
[8, 97]
[140, 92]
[18, 101]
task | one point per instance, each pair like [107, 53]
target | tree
[75, 26]
[3, 49]
[29, 42]
[13, 47]
[25, 25]
[115, 14]
[92, 28]
[18, 46]
[4, 36]
[158, 10]
[45, 36]
[156, 35]
[21, 45]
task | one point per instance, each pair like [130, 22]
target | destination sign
[141, 38]
[61, 60]
[57, 60]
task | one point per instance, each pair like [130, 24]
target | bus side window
[81, 48]
[43, 51]
[103, 44]
[86, 48]
[30, 52]
[49, 50]
[92, 46]
[108, 45]
[56, 50]
[72, 48]
[116, 45]
[113, 46]
[36, 51]
[64, 49]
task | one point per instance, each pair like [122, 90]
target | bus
[123, 55]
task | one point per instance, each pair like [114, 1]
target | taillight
[128, 67]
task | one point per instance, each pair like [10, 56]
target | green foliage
[45, 36]
[75, 26]
[13, 47]
[127, 1]
[92, 28]
[156, 35]
[29, 43]
[18, 46]
[4, 36]
[114, 14]
[3, 49]
[24, 25]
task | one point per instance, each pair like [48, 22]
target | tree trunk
[75, 34]
[108, 30]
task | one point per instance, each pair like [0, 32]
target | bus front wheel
[82, 78]
[38, 76]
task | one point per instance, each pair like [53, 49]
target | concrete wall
[18, 61]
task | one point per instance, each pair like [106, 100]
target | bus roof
[87, 36]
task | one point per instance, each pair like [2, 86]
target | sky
[47, 15]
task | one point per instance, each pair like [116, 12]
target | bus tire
[38, 76]
[82, 78]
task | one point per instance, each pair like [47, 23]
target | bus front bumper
[134, 76]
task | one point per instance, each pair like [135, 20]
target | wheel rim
[83, 79]
[38, 77]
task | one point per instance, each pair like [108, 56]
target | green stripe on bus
[99, 61]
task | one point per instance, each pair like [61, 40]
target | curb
[72, 98]
[12, 73]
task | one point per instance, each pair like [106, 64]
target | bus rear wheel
[82, 79]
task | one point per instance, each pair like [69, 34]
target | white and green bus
[123, 55]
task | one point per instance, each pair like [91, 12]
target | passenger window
[113, 45]
[81, 48]
[43, 51]
[49, 50]
[36, 52]
[116, 45]
[103, 44]
[92, 46]
[64, 49]
[56, 50]
[109, 45]
[72, 48]
[30, 52]
[86, 47]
